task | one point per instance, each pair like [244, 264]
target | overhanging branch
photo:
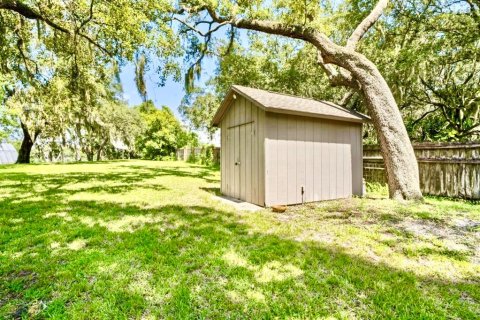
[330, 54]
[366, 24]
[30, 13]
[201, 33]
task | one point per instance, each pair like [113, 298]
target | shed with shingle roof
[283, 149]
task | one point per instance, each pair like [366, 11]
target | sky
[170, 95]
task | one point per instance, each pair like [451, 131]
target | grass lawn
[140, 239]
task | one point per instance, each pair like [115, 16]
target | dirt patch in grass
[77, 244]
[383, 231]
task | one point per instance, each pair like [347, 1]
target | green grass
[139, 240]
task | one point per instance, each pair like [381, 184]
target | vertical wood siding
[280, 155]
[242, 139]
[321, 157]
[309, 159]
[260, 138]
[445, 169]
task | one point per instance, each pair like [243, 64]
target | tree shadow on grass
[202, 172]
[195, 262]
[212, 190]
[58, 185]
[92, 259]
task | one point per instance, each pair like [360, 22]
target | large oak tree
[344, 65]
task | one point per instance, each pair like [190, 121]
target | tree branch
[30, 13]
[90, 16]
[366, 24]
[94, 43]
[346, 98]
[340, 77]
[230, 41]
[22, 53]
[423, 117]
[203, 34]
[329, 52]
[271, 27]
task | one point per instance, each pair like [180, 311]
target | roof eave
[315, 115]
[217, 118]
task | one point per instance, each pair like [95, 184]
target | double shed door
[239, 160]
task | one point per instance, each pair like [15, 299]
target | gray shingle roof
[283, 103]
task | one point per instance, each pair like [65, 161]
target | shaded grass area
[147, 240]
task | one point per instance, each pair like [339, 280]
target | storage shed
[282, 149]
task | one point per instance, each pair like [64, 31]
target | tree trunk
[100, 149]
[397, 151]
[395, 146]
[27, 144]
[89, 155]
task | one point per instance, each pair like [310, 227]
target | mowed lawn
[147, 240]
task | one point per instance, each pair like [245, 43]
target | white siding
[8, 154]
[322, 156]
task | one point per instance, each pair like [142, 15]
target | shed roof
[288, 104]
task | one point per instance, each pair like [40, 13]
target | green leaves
[163, 133]
[427, 50]
[198, 108]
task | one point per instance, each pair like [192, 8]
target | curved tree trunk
[27, 144]
[397, 151]
[361, 74]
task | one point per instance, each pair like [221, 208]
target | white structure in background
[8, 154]
[120, 145]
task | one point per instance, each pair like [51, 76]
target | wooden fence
[446, 169]
[185, 153]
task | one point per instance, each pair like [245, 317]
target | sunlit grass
[147, 240]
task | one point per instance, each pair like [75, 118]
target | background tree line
[59, 80]
[112, 131]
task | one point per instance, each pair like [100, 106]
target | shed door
[241, 162]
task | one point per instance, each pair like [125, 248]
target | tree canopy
[418, 46]
[62, 62]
